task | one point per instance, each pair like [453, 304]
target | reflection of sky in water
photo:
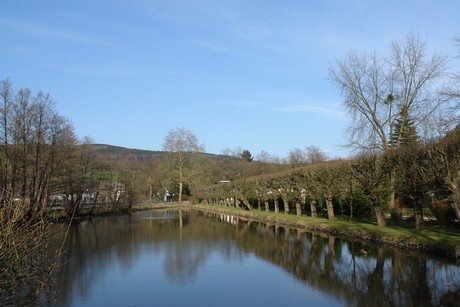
[148, 260]
[219, 281]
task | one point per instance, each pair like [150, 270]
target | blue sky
[252, 74]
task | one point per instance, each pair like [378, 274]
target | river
[191, 258]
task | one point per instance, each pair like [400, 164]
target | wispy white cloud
[44, 32]
[332, 111]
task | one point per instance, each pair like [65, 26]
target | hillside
[205, 169]
[117, 153]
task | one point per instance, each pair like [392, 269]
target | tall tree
[180, 143]
[36, 140]
[381, 93]
[378, 90]
[34, 143]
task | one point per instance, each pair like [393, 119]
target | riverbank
[438, 241]
[113, 210]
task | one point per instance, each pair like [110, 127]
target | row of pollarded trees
[419, 175]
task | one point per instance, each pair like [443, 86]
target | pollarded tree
[371, 172]
[180, 143]
[416, 178]
[328, 178]
[311, 189]
[445, 160]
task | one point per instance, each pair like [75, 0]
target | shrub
[443, 212]
[361, 205]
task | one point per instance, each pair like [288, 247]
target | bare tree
[263, 156]
[76, 179]
[448, 120]
[384, 94]
[379, 91]
[154, 177]
[296, 157]
[315, 154]
[181, 143]
[35, 142]
[232, 152]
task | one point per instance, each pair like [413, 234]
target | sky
[237, 73]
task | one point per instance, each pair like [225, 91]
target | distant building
[168, 196]
[224, 181]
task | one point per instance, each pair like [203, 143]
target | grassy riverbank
[435, 240]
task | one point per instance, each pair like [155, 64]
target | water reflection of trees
[357, 274]
[350, 271]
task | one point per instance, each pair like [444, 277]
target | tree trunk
[298, 209]
[286, 205]
[391, 200]
[330, 207]
[314, 213]
[418, 214]
[380, 216]
[277, 206]
[456, 199]
[267, 207]
[180, 191]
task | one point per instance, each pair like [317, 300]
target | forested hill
[211, 166]
[117, 153]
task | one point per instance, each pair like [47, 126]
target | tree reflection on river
[202, 259]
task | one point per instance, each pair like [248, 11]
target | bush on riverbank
[26, 264]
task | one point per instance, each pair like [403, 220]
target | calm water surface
[189, 258]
